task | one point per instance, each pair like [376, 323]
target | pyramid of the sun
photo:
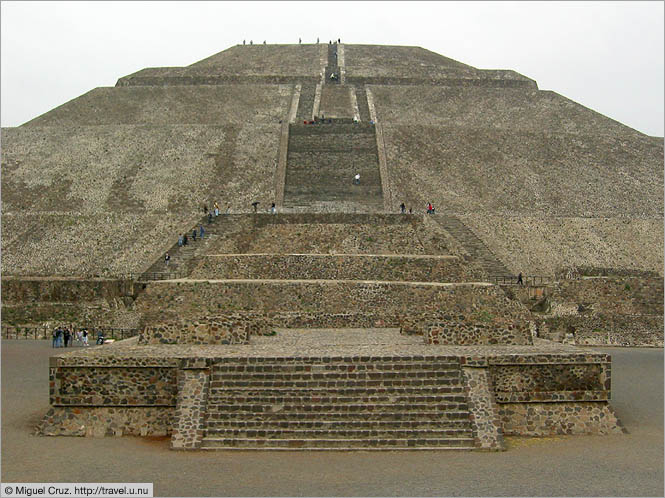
[113, 174]
[418, 342]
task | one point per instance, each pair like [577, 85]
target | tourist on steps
[356, 179]
[194, 234]
[180, 237]
[255, 204]
[402, 208]
[167, 258]
[201, 231]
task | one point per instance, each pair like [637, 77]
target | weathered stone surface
[549, 419]
[104, 421]
[234, 328]
[189, 417]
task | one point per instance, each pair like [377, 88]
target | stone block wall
[165, 301]
[599, 329]
[551, 382]
[550, 419]
[334, 267]
[546, 395]
[624, 310]
[457, 332]
[108, 386]
[107, 421]
[237, 328]
[94, 302]
[233, 328]
[58, 290]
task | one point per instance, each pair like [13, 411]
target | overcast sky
[607, 56]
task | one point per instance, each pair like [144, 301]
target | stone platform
[330, 389]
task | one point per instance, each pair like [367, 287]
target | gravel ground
[619, 465]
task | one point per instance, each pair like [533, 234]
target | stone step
[344, 366]
[341, 443]
[334, 140]
[332, 184]
[335, 128]
[320, 383]
[429, 416]
[224, 399]
[305, 193]
[449, 424]
[356, 408]
[342, 391]
[340, 359]
[336, 433]
[336, 375]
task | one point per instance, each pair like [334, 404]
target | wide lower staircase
[338, 403]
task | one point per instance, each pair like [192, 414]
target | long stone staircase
[354, 402]
[306, 102]
[323, 160]
[183, 258]
[474, 246]
[333, 65]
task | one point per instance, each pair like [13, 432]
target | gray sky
[607, 56]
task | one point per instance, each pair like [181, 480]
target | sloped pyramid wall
[117, 173]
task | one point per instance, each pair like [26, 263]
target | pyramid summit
[340, 220]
